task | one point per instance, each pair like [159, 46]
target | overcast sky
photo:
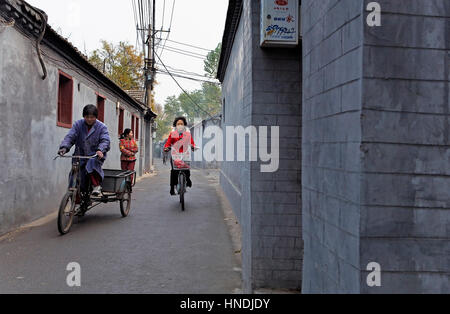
[195, 22]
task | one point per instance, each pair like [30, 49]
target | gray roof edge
[231, 25]
[29, 21]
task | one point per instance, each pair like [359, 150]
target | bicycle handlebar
[195, 148]
[76, 157]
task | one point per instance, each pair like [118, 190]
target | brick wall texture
[263, 87]
[376, 147]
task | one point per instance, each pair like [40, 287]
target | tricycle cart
[117, 186]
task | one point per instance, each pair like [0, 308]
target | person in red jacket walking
[182, 138]
[129, 149]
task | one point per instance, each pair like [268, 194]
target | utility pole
[153, 44]
[149, 63]
[150, 71]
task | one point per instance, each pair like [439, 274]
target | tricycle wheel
[66, 213]
[125, 203]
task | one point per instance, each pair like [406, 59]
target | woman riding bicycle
[182, 138]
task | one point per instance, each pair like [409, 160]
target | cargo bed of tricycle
[116, 180]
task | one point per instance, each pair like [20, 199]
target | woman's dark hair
[178, 119]
[125, 134]
[90, 110]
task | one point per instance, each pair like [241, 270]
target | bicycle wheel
[66, 213]
[182, 202]
[125, 203]
[182, 181]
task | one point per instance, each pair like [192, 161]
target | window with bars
[101, 107]
[65, 100]
[121, 116]
[136, 134]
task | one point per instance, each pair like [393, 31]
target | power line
[150, 10]
[134, 12]
[146, 5]
[141, 15]
[184, 91]
[135, 22]
[185, 72]
[144, 17]
[141, 10]
[164, 15]
[170, 27]
[186, 54]
[192, 46]
[171, 15]
[187, 51]
[188, 78]
[193, 74]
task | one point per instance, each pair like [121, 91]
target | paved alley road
[157, 249]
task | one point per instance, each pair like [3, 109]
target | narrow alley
[157, 249]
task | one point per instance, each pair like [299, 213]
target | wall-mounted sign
[279, 23]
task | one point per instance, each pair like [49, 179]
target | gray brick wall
[276, 197]
[332, 80]
[235, 176]
[405, 191]
[262, 87]
[375, 170]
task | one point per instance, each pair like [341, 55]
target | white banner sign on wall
[279, 23]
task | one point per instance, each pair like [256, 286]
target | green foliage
[121, 63]
[212, 62]
[190, 110]
[208, 98]
[165, 118]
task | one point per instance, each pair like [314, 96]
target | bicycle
[181, 163]
[116, 187]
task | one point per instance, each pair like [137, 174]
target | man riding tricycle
[89, 184]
